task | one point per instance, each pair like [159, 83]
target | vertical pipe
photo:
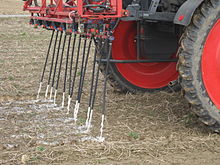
[138, 40]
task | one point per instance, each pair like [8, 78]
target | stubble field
[140, 129]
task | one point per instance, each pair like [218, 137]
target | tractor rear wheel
[199, 63]
[136, 77]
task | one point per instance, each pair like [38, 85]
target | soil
[140, 129]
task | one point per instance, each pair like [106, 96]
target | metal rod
[60, 68]
[66, 69]
[45, 64]
[55, 67]
[138, 61]
[52, 62]
[138, 39]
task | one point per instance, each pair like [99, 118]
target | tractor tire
[125, 77]
[199, 63]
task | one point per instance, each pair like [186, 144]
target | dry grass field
[11, 7]
[140, 129]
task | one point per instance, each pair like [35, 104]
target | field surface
[140, 129]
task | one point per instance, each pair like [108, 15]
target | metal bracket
[153, 6]
[136, 14]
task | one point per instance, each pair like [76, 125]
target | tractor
[146, 45]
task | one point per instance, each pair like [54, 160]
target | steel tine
[52, 62]
[55, 67]
[71, 68]
[95, 86]
[77, 104]
[74, 75]
[91, 87]
[60, 67]
[83, 76]
[45, 65]
[66, 69]
[101, 138]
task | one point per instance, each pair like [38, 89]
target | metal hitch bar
[137, 61]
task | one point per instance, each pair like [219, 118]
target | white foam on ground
[27, 101]
[2, 108]
[41, 136]
[54, 143]
[21, 136]
[93, 139]
[47, 101]
[60, 127]
[82, 130]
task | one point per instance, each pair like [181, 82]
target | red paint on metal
[181, 17]
[211, 64]
[144, 75]
[58, 9]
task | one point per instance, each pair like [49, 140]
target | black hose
[46, 60]
[53, 56]
[57, 57]
[76, 66]
[67, 61]
[71, 62]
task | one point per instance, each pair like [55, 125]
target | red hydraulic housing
[71, 14]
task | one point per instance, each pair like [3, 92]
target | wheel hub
[144, 75]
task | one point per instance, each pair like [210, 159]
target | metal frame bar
[58, 9]
[138, 61]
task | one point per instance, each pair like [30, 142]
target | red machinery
[138, 45]
[57, 14]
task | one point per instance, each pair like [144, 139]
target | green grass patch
[133, 135]
[41, 148]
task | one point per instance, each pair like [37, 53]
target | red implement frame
[60, 11]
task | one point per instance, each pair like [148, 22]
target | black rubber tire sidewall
[190, 68]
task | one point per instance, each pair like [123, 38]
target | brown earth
[140, 129]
